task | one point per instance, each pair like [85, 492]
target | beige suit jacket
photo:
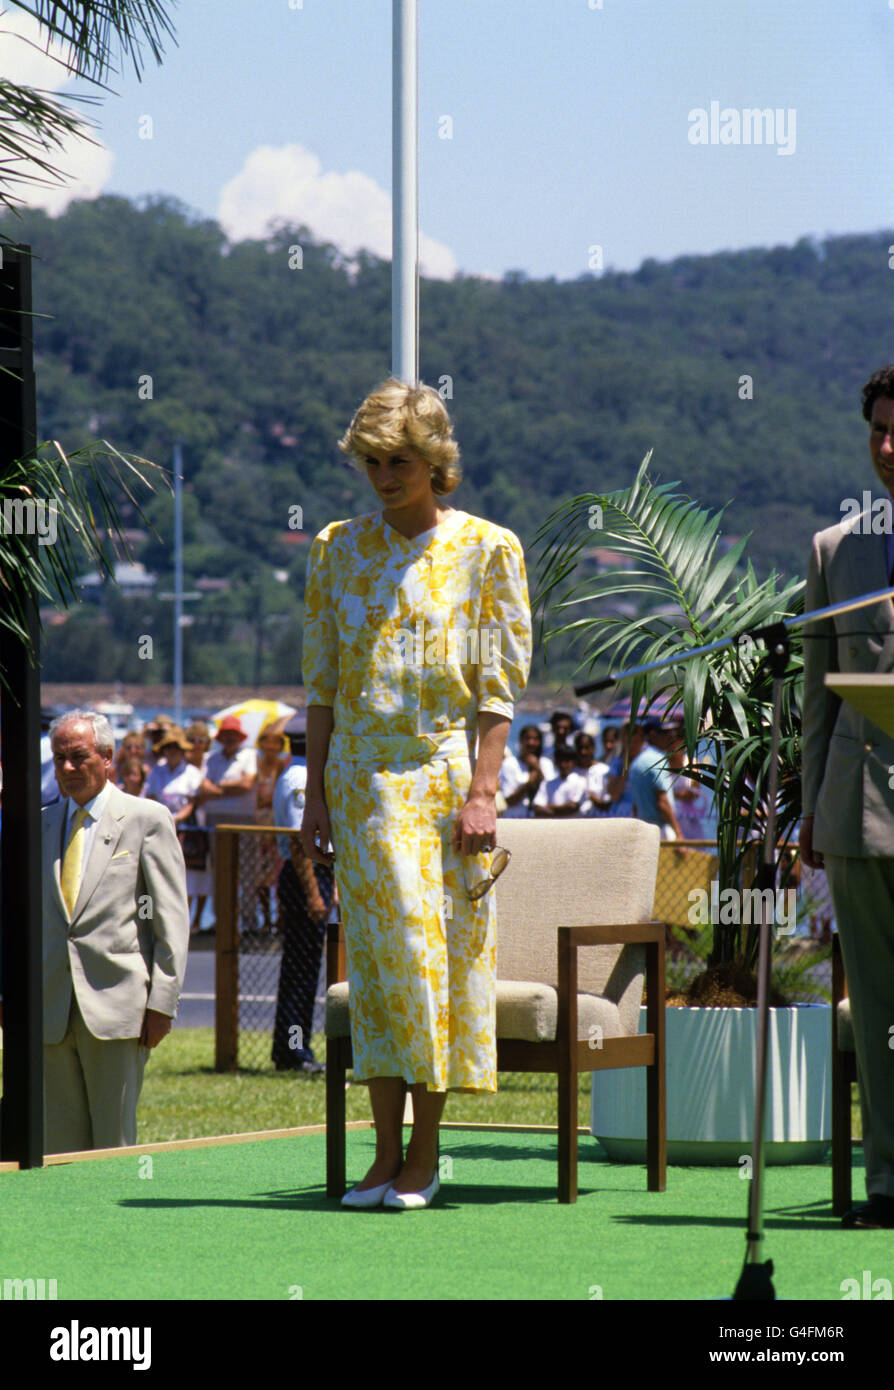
[848, 763]
[124, 949]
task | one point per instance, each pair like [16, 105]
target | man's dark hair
[879, 386]
[562, 714]
[564, 750]
[529, 728]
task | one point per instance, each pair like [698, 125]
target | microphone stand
[755, 1283]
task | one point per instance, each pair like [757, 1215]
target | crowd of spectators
[638, 773]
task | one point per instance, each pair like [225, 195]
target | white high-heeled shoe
[372, 1197]
[412, 1201]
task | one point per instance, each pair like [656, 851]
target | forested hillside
[742, 371]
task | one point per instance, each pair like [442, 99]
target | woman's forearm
[493, 730]
[319, 732]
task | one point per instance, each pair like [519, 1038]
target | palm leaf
[35, 123]
[693, 596]
[92, 31]
[84, 532]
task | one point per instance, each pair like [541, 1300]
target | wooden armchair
[574, 942]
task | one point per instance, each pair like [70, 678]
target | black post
[21, 954]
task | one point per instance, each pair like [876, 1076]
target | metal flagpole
[178, 584]
[405, 193]
[405, 212]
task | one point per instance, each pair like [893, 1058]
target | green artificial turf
[251, 1221]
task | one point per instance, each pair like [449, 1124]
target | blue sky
[572, 125]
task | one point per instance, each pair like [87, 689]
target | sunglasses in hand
[498, 863]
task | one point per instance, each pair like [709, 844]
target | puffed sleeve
[506, 611]
[319, 655]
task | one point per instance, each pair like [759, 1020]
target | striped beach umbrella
[253, 715]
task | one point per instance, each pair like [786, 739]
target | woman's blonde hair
[396, 416]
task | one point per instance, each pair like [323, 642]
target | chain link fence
[687, 869]
[270, 972]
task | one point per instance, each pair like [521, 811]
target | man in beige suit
[848, 789]
[116, 933]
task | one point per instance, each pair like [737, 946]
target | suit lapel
[105, 838]
[867, 561]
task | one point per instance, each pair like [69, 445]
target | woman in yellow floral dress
[417, 642]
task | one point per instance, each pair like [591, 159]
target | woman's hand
[475, 827]
[317, 910]
[315, 831]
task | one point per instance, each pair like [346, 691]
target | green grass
[184, 1097]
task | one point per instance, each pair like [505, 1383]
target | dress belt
[402, 748]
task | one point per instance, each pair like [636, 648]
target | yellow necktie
[74, 859]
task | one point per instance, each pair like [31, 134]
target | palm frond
[32, 125]
[88, 35]
[51, 483]
[694, 597]
[92, 31]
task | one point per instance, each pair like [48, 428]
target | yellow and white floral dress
[408, 641]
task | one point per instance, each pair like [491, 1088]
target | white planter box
[710, 1089]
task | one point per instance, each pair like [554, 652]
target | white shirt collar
[94, 808]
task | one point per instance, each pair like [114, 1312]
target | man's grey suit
[848, 771]
[123, 950]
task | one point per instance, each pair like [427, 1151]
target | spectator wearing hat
[174, 781]
[228, 793]
[230, 775]
[305, 892]
[152, 732]
[271, 763]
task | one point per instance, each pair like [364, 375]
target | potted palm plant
[689, 593]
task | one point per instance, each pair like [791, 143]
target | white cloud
[86, 169]
[25, 55]
[27, 59]
[351, 210]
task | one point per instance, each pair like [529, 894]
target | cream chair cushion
[527, 1012]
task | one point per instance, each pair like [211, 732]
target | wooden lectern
[872, 695]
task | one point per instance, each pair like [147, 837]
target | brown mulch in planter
[728, 986]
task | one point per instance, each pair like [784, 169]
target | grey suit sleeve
[164, 875]
[820, 706]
